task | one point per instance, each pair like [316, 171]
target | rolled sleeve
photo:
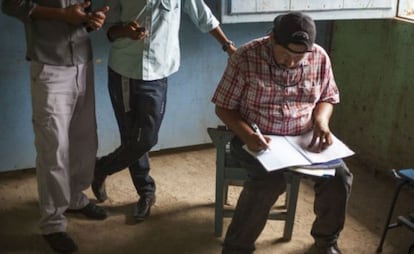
[20, 9]
[201, 15]
[330, 92]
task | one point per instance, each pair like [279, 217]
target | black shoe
[98, 184]
[61, 242]
[91, 211]
[328, 249]
[143, 207]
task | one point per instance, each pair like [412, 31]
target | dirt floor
[183, 217]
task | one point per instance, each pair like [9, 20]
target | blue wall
[189, 111]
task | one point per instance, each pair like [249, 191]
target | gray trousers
[64, 123]
[261, 191]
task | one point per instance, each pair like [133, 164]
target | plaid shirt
[280, 101]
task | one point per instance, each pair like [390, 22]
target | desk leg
[387, 223]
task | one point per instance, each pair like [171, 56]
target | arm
[241, 128]
[222, 39]
[74, 14]
[131, 30]
[204, 19]
[321, 116]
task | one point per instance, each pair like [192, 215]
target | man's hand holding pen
[256, 141]
[135, 31]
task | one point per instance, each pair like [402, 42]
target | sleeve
[201, 15]
[21, 9]
[330, 92]
[229, 91]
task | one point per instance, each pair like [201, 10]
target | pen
[140, 13]
[258, 132]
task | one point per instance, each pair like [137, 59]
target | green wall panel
[372, 61]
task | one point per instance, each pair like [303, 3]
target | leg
[145, 186]
[53, 102]
[53, 90]
[143, 182]
[83, 137]
[259, 194]
[331, 199]
[139, 108]
[83, 144]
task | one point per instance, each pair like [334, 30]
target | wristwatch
[226, 45]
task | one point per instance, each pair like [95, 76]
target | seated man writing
[284, 83]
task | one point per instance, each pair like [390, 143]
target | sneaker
[143, 207]
[61, 242]
[91, 211]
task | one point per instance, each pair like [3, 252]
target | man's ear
[272, 36]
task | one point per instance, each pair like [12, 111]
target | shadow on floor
[182, 220]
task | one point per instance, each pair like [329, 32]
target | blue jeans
[139, 107]
[261, 191]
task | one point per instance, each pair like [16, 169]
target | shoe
[91, 211]
[143, 207]
[328, 249]
[61, 242]
[98, 184]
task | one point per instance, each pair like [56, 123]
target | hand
[321, 137]
[231, 49]
[256, 143]
[96, 18]
[135, 31]
[75, 14]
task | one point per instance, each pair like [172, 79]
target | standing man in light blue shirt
[145, 52]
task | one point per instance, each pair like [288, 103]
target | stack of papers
[293, 152]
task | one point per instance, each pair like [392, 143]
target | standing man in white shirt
[145, 52]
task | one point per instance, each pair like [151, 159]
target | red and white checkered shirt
[280, 101]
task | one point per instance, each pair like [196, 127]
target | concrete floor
[182, 219]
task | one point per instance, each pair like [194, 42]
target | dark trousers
[139, 108]
[261, 191]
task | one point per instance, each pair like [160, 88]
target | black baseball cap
[294, 27]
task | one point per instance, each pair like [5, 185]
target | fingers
[322, 141]
[103, 9]
[256, 143]
[96, 18]
[313, 141]
[134, 25]
[99, 14]
[85, 4]
[136, 32]
[95, 22]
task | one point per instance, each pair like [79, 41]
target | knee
[268, 188]
[142, 144]
[345, 175]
